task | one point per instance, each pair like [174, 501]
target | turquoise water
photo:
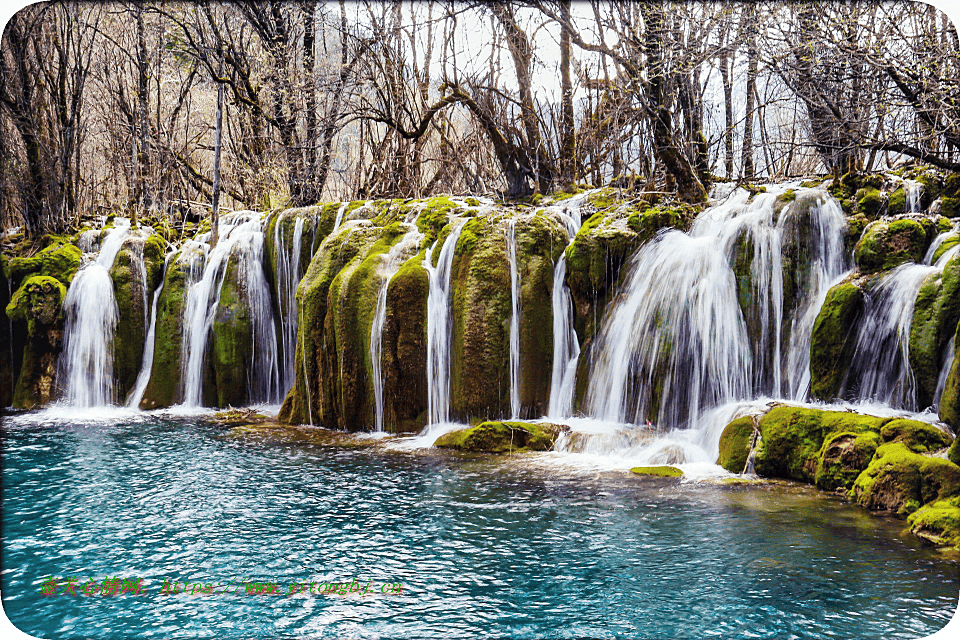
[482, 546]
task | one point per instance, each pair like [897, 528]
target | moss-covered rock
[503, 437]
[870, 201]
[404, 348]
[136, 272]
[949, 409]
[948, 243]
[38, 303]
[843, 456]
[901, 481]
[919, 437]
[832, 341]
[330, 367]
[885, 245]
[897, 202]
[937, 523]
[935, 317]
[232, 352]
[8, 359]
[164, 387]
[735, 444]
[792, 442]
[60, 260]
[659, 472]
[37, 306]
[481, 290]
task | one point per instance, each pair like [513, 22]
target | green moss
[788, 196]
[60, 260]
[315, 397]
[897, 202]
[935, 316]
[472, 202]
[898, 479]
[919, 437]
[869, 200]
[232, 358]
[954, 453]
[831, 343]
[735, 443]
[661, 471]
[38, 303]
[843, 456]
[950, 207]
[435, 215]
[130, 332]
[938, 522]
[884, 246]
[404, 348]
[948, 243]
[792, 439]
[502, 437]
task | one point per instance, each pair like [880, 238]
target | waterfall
[944, 372]
[336, 223]
[912, 192]
[86, 363]
[566, 345]
[143, 378]
[828, 265]
[240, 235]
[514, 319]
[675, 341]
[389, 265]
[439, 327]
[881, 359]
[288, 277]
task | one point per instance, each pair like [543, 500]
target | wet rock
[503, 437]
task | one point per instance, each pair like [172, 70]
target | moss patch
[831, 343]
[900, 480]
[59, 260]
[919, 437]
[661, 471]
[937, 523]
[502, 437]
[886, 245]
[735, 443]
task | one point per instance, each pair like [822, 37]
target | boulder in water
[735, 443]
[884, 245]
[833, 339]
[503, 437]
[901, 481]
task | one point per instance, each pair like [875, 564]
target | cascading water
[240, 236]
[86, 363]
[389, 265]
[881, 359]
[336, 223]
[944, 372]
[288, 277]
[143, 378]
[912, 192]
[439, 327]
[677, 342]
[514, 319]
[881, 369]
[566, 345]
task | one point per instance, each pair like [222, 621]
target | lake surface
[520, 547]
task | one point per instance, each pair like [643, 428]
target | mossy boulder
[404, 348]
[164, 387]
[901, 481]
[60, 260]
[832, 340]
[948, 243]
[843, 457]
[38, 303]
[329, 332]
[949, 409]
[792, 442]
[735, 444]
[950, 196]
[36, 310]
[232, 353]
[658, 472]
[897, 202]
[136, 272]
[481, 290]
[870, 201]
[503, 437]
[935, 316]
[885, 245]
[919, 437]
[937, 522]
[8, 357]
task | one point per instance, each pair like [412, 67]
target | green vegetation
[502, 437]
[831, 344]
[901, 481]
[661, 471]
[735, 443]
